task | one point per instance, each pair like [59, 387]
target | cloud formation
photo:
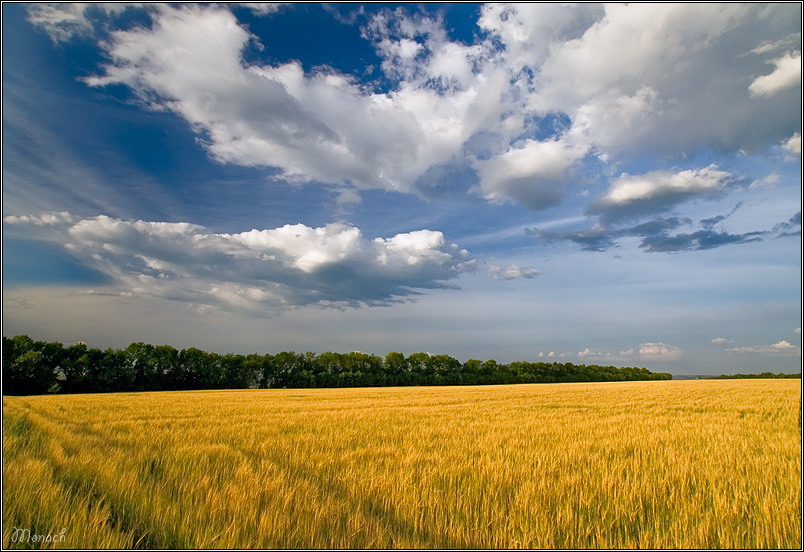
[721, 341]
[51, 218]
[320, 126]
[786, 75]
[781, 348]
[645, 352]
[615, 75]
[533, 174]
[657, 235]
[657, 191]
[659, 351]
[260, 271]
[793, 144]
[514, 272]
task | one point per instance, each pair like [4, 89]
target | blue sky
[609, 184]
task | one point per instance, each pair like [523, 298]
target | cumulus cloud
[657, 191]
[262, 270]
[553, 354]
[659, 351]
[533, 174]
[589, 354]
[319, 126]
[624, 80]
[781, 348]
[617, 74]
[786, 75]
[513, 272]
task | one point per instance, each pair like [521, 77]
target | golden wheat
[679, 464]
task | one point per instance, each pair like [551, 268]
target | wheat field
[666, 464]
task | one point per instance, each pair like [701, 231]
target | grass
[676, 464]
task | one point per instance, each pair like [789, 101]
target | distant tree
[30, 367]
[28, 374]
[236, 372]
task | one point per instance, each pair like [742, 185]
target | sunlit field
[671, 464]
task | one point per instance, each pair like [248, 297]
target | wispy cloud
[657, 236]
[781, 348]
[514, 272]
[43, 219]
[721, 341]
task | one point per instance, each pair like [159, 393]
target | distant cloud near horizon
[721, 341]
[659, 351]
[514, 272]
[782, 348]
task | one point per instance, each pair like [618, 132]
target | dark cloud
[591, 239]
[657, 237]
[790, 228]
[702, 239]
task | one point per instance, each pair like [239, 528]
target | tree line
[37, 367]
[763, 375]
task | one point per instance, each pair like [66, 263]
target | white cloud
[793, 144]
[790, 41]
[514, 272]
[782, 348]
[797, 331]
[624, 79]
[61, 21]
[262, 271]
[533, 174]
[51, 218]
[721, 341]
[659, 190]
[659, 351]
[264, 8]
[629, 188]
[321, 126]
[588, 353]
[618, 74]
[786, 75]
[64, 20]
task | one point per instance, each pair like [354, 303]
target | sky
[592, 183]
